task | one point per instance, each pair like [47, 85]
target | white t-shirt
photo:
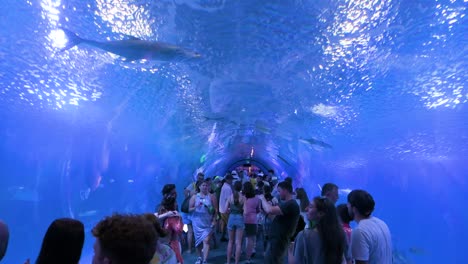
[371, 241]
[226, 192]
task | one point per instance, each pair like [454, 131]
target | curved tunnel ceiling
[291, 81]
[366, 94]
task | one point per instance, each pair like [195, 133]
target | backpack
[185, 205]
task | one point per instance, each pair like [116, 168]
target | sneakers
[200, 261]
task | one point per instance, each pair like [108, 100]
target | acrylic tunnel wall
[365, 94]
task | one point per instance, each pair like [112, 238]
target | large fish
[133, 49]
[313, 141]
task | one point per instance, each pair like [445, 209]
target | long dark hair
[62, 242]
[237, 188]
[248, 190]
[330, 231]
[303, 198]
[267, 193]
[343, 213]
[169, 201]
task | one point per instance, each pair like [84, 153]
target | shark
[313, 141]
[133, 49]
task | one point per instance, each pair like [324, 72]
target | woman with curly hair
[170, 219]
[164, 254]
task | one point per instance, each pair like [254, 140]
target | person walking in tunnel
[190, 191]
[303, 201]
[218, 184]
[371, 241]
[330, 191]
[268, 217]
[204, 208]
[211, 189]
[283, 226]
[270, 175]
[236, 225]
[168, 215]
[324, 242]
[251, 209]
[345, 219]
[226, 193]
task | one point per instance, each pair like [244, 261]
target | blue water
[383, 84]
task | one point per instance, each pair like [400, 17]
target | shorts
[225, 218]
[186, 218]
[236, 221]
[250, 230]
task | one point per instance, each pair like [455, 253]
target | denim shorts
[236, 221]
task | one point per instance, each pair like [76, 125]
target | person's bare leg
[239, 234]
[224, 229]
[206, 247]
[254, 246]
[213, 238]
[249, 247]
[229, 247]
[200, 251]
[189, 238]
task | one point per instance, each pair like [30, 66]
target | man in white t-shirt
[226, 192]
[371, 241]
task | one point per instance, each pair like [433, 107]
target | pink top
[347, 229]
[251, 208]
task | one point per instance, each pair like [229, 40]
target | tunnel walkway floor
[218, 255]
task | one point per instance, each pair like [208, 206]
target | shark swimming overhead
[316, 142]
[133, 49]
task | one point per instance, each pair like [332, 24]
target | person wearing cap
[261, 178]
[371, 240]
[235, 177]
[274, 189]
[226, 192]
[189, 191]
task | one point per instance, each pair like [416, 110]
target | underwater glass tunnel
[103, 102]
